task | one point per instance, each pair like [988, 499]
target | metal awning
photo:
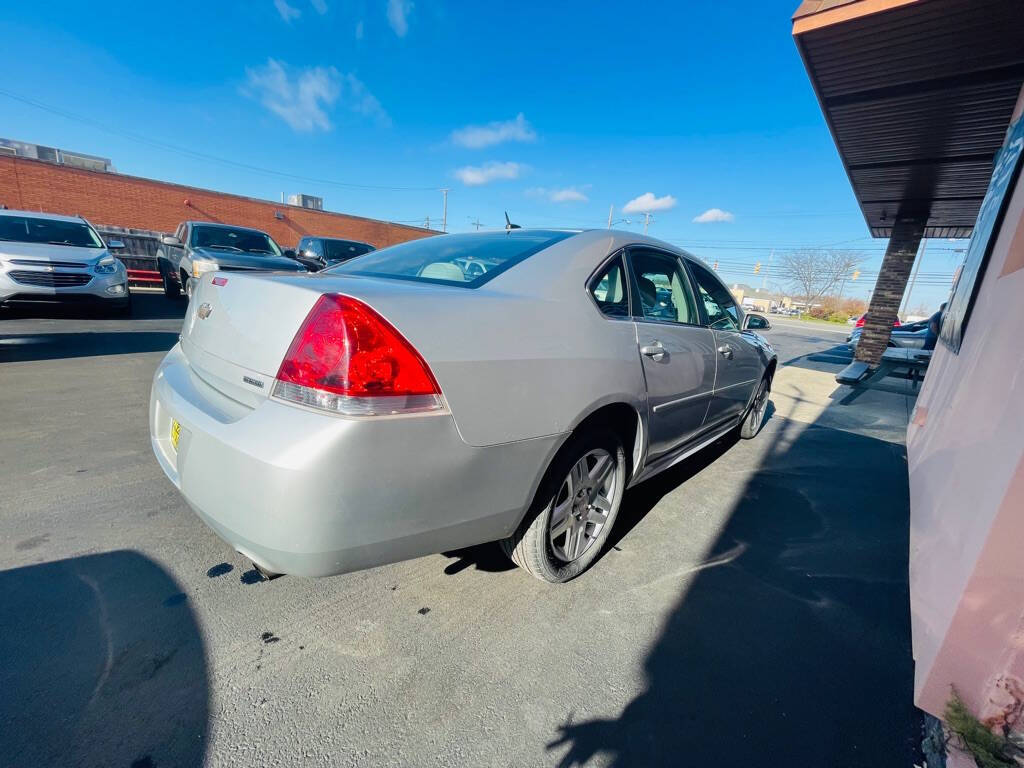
[918, 95]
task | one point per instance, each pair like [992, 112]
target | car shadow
[54, 333]
[482, 557]
[790, 643]
[103, 664]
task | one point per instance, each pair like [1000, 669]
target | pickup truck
[199, 246]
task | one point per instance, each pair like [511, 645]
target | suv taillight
[347, 359]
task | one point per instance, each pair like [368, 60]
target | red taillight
[349, 359]
[860, 321]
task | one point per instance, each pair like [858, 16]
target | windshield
[342, 250]
[467, 260]
[239, 240]
[29, 229]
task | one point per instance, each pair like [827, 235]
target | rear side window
[466, 260]
[610, 290]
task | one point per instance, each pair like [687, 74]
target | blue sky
[553, 111]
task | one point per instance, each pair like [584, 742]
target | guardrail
[139, 254]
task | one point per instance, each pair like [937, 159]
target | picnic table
[914, 361]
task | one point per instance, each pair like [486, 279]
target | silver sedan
[451, 391]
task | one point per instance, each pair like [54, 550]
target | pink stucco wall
[966, 458]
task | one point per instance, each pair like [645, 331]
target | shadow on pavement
[483, 557]
[103, 664]
[54, 333]
[792, 644]
[831, 359]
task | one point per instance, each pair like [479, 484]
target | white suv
[45, 258]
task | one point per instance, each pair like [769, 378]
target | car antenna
[509, 226]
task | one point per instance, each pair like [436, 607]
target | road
[751, 606]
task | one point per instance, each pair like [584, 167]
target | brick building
[113, 199]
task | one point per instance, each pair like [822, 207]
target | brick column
[892, 282]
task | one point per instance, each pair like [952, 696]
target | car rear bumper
[313, 494]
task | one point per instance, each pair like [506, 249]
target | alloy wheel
[582, 505]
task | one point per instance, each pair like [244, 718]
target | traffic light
[757, 267]
[856, 274]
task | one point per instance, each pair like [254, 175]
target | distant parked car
[316, 253]
[911, 336]
[198, 247]
[50, 259]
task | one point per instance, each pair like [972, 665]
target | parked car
[909, 335]
[862, 318]
[198, 247]
[318, 253]
[394, 406]
[46, 258]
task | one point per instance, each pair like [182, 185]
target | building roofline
[186, 188]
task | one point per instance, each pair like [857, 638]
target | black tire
[531, 547]
[757, 410]
[172, 289]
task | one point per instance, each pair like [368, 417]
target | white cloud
[477, 175]
[713, 214]
[303, 98]
[362, 102]
[648, 203]
[359, 30]
[563, 195]
[479, 136]
[320, 6]
[288, 12]
[398, 16]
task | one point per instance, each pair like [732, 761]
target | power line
[202, 155]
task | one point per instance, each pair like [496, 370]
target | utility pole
[913, 278]
[610, 209]
[764, 278]
[444, 219]
[476, 223]
[647, 220]
[427, 225]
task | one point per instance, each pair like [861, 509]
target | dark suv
[318, 253]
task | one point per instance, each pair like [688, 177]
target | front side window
[663, 288]
[230, 239]
[465, 260]
[29, 229]
[610, 290]
[719, 306]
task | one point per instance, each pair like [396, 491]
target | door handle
[655, 351]
[725, 351]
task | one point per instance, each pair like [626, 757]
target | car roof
[336, 239]
[41, 215]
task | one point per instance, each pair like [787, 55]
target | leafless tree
[813, 273]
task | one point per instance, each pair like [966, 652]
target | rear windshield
[342, 250]
[468, 260]
[29, 229]
[227, 239]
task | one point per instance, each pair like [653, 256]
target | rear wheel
[574, 511]
[758, 410]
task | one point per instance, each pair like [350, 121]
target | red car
[860, 322]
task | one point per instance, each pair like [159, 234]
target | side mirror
[755, 322]
[289, 253]
[115, 244]
[170, 240]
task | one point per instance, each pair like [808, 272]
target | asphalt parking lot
[752, 607]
